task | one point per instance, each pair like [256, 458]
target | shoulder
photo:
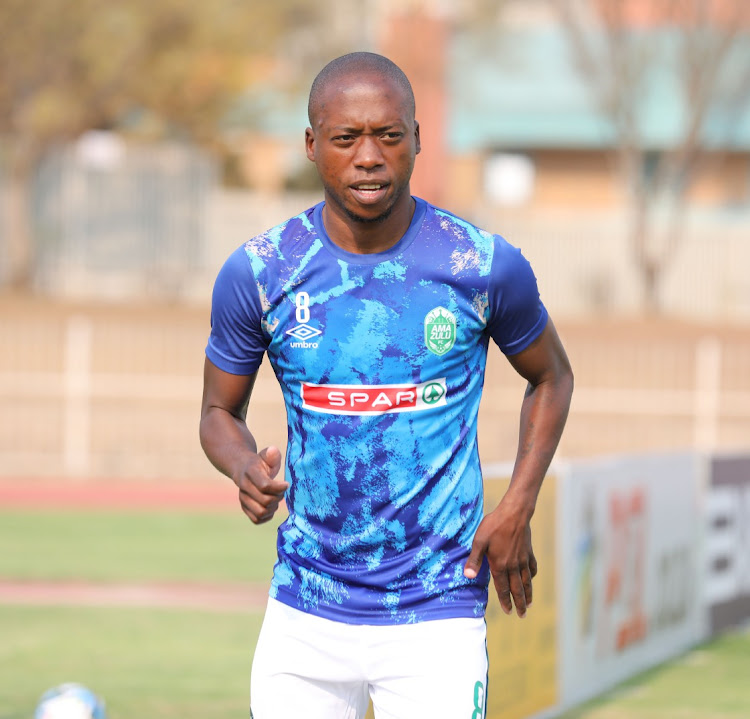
[449, 221]
[280, 242]
[505, 258]
[517, 314]
[508, 262]
[500, 248]
[473, 247]
[468, 247]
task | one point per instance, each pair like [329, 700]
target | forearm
[544, 412]
[226, 441]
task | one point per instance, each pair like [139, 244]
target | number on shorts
[478, 712]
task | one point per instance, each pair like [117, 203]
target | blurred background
[141, 142]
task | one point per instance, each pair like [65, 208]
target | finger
[253, 511]
[258, 512]
[502, 587]
[526, 576]
[256, 483]
[474, 562]
[518, 592]
[271, 455]
[267, 516]
[260, 519]
[274, 488]
[533, 567]
[258, 499]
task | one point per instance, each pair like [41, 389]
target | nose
[368, 155]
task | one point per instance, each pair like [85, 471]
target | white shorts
[307, 666]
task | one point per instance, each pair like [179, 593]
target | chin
[366, 215]
[369, 215]
[368, 220]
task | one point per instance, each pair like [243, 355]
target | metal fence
[136, 237]
[582, 259]
[114, 392]
[118, 221]
[153, 223]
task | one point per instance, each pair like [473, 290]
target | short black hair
[354, 62]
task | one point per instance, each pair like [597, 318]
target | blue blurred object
[70, 701]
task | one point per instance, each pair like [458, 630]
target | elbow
[202, 433]
[569, 379]
[567, 383]
[561, 385]
[204, 429]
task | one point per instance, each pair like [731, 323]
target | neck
[366, 238]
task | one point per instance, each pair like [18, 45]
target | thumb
[474, 562]
[272, 457]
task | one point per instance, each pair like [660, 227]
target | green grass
[189, 664]
[145, 663]
[105, 545]
[192, 665]
[710, 682]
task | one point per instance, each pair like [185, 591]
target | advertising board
[727, 541]
[630, 569]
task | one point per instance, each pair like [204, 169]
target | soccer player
[376, 310]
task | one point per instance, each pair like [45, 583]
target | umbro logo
[303, 332]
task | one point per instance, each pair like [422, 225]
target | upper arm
[544, 359]
[516, 314]
[237, 341]
[222, 390]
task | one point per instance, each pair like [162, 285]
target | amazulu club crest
[439, 330]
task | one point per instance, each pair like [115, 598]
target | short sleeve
[516, 314]
[237, 342]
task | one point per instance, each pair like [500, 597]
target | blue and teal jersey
[381, 360]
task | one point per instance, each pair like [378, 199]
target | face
[363, 142]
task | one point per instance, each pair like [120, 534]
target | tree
[73, 65]
[619, 46]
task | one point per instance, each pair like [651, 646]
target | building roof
[521, 89]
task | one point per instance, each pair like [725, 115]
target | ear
[310, 144]
[418, 143]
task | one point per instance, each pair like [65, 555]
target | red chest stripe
[373, 399]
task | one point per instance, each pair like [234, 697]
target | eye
[392, 136]
[343, 139]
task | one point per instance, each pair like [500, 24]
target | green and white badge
[439, 330]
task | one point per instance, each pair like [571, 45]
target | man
[376, 310]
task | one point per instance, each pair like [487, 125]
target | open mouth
[369, 192]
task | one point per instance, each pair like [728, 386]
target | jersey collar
[355, 258]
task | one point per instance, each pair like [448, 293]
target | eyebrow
[382, 128]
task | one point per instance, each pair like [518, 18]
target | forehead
[359, 96]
